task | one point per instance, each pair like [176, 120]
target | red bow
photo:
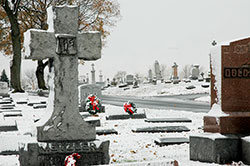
[94, 104]
[128, 107]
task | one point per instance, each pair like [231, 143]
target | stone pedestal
[227, 124]
[54, 153]
[215, 148]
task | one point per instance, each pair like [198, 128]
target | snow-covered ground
[159, 89]
[124, 147]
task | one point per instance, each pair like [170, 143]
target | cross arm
[89, 46]
[39, 44]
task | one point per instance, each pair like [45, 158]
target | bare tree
[30, 79]
[185, 72]
[165, 71]
[120, 75]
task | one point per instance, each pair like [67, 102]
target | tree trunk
[15, 68]
[40, 74]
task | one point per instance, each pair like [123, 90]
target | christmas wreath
[93, 104]
[130, 107]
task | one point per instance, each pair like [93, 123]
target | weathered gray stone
[93, 121]
[159, 129]
[10, 110]
[129, 81]
[157, 70]
[85, 90]
[106, 131]
[93, 74]
[215, 148]
[8, 125]
[126, 116]
[5, 102]
[245, 145]
[12, 114]
[7, 106]
[38, 106]
[22, 102]
[167, 120]
[171, 141]
[63, 97]
[92, 153]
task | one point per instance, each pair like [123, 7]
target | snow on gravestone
[63, 129]
[230, 90]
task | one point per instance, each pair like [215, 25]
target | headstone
[167, 120]
[175, 72]
[157, 70]
[150, 76]
[190, 87]
[101, 83]
[63, 129]
[171, 141]
[7, 106]
[87, 89]
[106, 131]
[126, 116]
[93, 74]
[8, 125]
[39, 106]
[230, 104]
[4, 89]
[12, 114]
[160, 129]
[130, 79]
[195, 72]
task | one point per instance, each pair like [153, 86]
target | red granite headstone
[232, 90]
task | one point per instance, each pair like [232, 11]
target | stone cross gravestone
[63, 129]
[65, 46]
[93, 74]
[157, 70]
[230, 105]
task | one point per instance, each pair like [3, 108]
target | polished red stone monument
[230, 89]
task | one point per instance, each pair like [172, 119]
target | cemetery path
[159, 103]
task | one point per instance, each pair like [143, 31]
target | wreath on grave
[130, 107]
[93, 104]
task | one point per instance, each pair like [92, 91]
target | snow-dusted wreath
[130, 107]
[70, 160]
[93, 104]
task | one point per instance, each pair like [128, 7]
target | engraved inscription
[242, 49]
[66, 45]
[69, 147]
[237, 72]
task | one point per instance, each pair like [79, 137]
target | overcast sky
[169, 31]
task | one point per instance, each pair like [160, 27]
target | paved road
[159, 103]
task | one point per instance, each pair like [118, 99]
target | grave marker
[65, 130]
[230, 106]
[4, 89]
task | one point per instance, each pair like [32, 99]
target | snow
[125, 147]
[161, 89]
[216, 70]
[216, 111]
[50, 19]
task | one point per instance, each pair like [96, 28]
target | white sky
[169, 31]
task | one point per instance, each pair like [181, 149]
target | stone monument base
[54, 153]
[227, 124]
[221, 149]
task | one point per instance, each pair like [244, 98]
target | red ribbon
[94, 104]
[128, 107]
